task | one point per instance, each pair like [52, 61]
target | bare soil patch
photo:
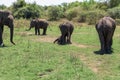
[80, 45]
[94, 65]
[46, 38]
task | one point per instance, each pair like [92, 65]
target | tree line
[87, 11]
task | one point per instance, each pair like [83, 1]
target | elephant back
[42, 23]
[106, 22]
[66, 27]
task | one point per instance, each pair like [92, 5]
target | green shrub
[82, 16]
[117, 21]
[93, 16]
[55, 13]
[29, 11]
[72, 13]
[114, 12]
[3, 7]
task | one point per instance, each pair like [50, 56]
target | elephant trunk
[11, 35]
[58, 40]
[29, 29]
[55, 40]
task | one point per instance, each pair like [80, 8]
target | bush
[82, 16]
[3, 7]
[72, 13]
[27, 12]
[114, 12]
[93, 16]
[117, 21]
[55, 13]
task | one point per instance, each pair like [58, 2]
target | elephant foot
[44, 34]
[109, 51]
[2, 45]
[100, 52]
[61, 43]
[69, 42]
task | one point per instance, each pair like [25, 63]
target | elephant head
[32, 24]
[6, 18]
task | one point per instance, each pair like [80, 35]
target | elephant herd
[105, 28]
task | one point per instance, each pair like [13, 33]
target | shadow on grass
[4, 46]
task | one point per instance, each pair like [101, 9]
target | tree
[55, 12]
[113, 3]
[18, 4]
[23, 10]
[2, 7]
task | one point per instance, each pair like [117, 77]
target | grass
[37, 58]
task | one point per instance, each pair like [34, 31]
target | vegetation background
[88, 11]
[37, 58]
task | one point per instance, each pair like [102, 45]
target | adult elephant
[105, 28]
[39, 24]
[6, 18]
[66, 29]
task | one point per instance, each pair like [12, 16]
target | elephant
[6, 18]
[105, 28]
[39, 24]
[66, 29]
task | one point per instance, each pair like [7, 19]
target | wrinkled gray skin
[105, 28]
[66, 32]
[39, 24]
[6, 18]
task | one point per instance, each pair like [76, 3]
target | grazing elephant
[105, 28]
[39, 23]
[66, 32]
[6, 18]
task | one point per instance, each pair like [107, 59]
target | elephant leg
[69, 38]
[1, 40]
[65, 39]
[38, 31]
[109, 42]
[2, 28]
[44, 31]
[62, 40]
[35, 30]
[102, 41]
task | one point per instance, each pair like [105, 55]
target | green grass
[33, 59]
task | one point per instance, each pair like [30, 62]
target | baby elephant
[39, 24]
[105, 28]
[66, 32]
